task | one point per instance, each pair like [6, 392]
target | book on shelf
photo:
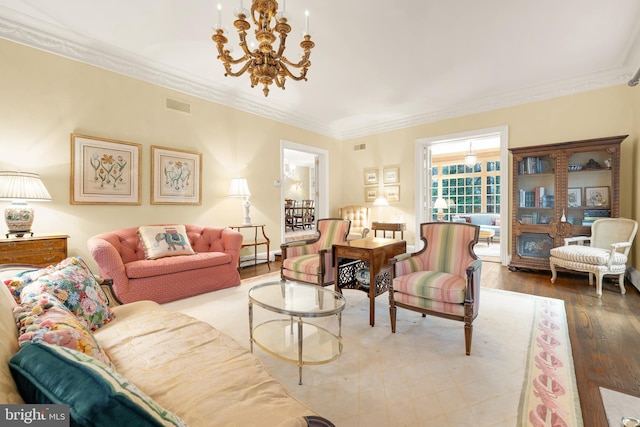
[598, 213]
[535, 198]
[530, 165]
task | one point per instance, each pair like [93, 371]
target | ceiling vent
[359, 147]
[174, 104]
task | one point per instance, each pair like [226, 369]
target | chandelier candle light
[20, 187]
[263, 64]
[239, 188]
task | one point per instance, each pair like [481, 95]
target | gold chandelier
[263, 64]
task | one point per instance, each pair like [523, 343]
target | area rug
[618, 405]
[520, 372]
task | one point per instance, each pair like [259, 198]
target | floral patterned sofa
[133, 364]
[168, 262]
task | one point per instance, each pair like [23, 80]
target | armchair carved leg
[554, 274]
[621, 283]
[392, 310]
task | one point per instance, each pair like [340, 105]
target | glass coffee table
[292, 339]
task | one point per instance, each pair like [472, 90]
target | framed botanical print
[596, 196]
[104, 171]
[176, 176]
[574, 199]
[391, 175]
[371, 176]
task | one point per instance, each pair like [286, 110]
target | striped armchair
[442, 279]
[310, 260]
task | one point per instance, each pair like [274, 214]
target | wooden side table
[393, 227]
[254, 240]
[39, 250]
[374, 252]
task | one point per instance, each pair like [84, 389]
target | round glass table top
[297, 299]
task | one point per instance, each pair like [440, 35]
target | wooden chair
[442, 279]
[308, 213]
[310, 260]
[289, 214]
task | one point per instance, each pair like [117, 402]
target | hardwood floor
[604, 332]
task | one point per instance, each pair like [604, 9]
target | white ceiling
[377, 65]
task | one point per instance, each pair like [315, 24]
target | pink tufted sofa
[120, 257]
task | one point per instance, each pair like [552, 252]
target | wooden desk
[394, 227]
[253, 240]
[374, 252]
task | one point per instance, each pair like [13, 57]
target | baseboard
[633, 276]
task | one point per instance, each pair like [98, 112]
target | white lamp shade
[380, 201]
[239, 188]
[440, 204]
[22, 186]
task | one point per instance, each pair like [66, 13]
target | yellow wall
[45, 98]
[598, 113]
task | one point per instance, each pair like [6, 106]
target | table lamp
[380, 202]
[21, 187]
[440, 204]
[239, 188]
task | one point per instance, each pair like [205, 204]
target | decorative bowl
[575, 167]
[362, 276]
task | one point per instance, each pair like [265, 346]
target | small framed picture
[104, 171]
[392, 193]
[596, 196]
[574, 198]
[176, 176]
[391, 175]
[371, 176]
[370, 193]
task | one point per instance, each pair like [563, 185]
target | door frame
[423, 181]
[321, 184]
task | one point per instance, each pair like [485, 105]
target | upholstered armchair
[607, 253]
[442, 279]
[360, 217]
[310, 260]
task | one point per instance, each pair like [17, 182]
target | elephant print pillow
[160, 241]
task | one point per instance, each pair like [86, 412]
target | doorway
[304, 177]
[469, 191]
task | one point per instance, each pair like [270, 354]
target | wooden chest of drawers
[41, 251]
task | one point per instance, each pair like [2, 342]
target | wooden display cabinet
[558, 191]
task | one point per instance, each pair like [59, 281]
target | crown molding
[53, 39]
[38, 34]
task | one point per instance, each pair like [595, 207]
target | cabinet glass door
[589, 188]
[536, 188]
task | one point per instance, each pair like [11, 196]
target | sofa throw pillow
[73, 283]
[160, 241]
[96, 394]
[47, 320]
[17, 283]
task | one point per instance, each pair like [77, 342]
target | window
[467, 189]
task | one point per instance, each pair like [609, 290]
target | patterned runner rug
[520, 371]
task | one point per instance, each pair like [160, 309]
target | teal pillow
[97, 395]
